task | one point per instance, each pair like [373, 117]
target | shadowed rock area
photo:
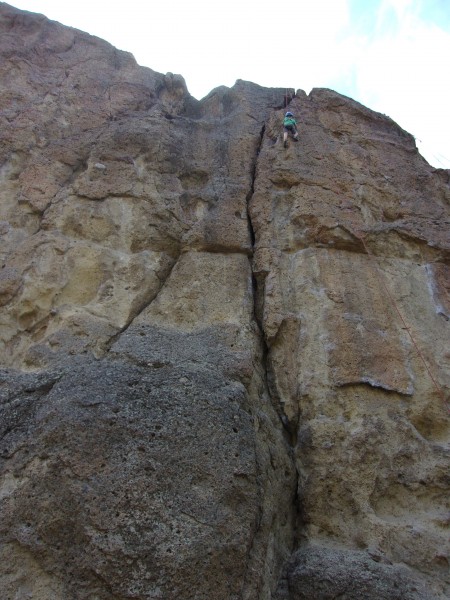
[224, 363]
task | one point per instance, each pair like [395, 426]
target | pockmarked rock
[223, 363]
[351, 252]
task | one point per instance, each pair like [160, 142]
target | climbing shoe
[285, 144]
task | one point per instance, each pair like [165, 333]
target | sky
[391, 55]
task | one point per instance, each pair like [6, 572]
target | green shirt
[289, 122]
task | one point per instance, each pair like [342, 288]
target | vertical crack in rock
[141, 442]
[287, 431]
[252, 187]
[258, 292]
[289, 428]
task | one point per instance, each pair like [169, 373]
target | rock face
[224, 363]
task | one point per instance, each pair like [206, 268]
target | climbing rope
[394, 303]
[289, 96]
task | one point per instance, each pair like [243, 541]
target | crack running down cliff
[232, 431]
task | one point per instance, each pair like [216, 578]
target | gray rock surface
[210, 384]
[328, 573]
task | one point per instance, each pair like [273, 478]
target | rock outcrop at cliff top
[211, 384]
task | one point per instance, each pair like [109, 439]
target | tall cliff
[224, 362]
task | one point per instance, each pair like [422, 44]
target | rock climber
[289, 126]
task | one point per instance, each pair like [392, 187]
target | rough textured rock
[351, 258]
[332, 573]
[210, 382]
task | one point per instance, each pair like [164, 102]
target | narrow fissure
[257, 286]
[252, 186]
[258, 300]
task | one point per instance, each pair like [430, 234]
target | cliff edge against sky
[224, 363]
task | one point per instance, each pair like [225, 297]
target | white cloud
[391, 59]
[403, 73]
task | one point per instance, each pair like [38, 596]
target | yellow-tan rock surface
[351, 251]
[224, 363]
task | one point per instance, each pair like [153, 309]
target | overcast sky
[390, 55]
